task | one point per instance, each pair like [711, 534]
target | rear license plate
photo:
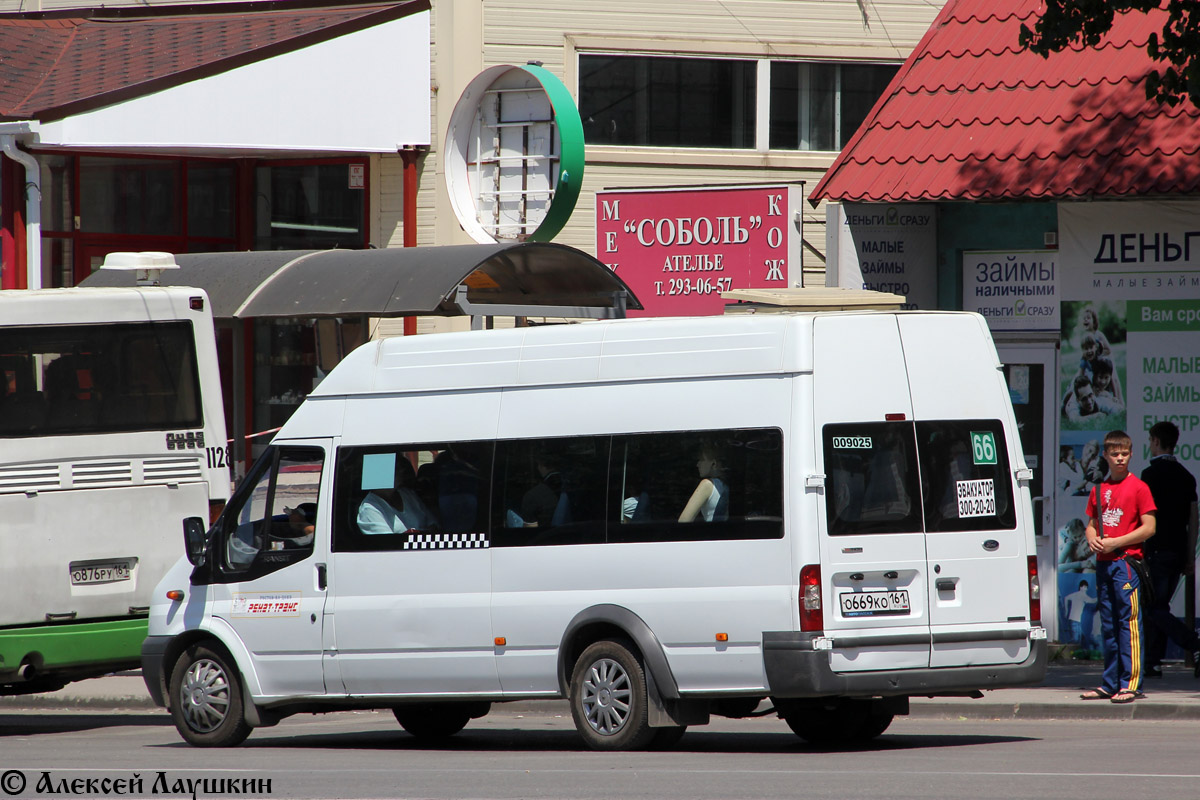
[871, 604]
[99, 572]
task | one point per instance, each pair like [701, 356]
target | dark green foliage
[1085, 22]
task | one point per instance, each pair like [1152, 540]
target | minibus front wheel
[608, 697]
[206, 698]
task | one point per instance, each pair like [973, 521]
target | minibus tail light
[215, 507]
[1035, 592]
[811, 618]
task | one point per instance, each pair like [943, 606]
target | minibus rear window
[871, 478]
[965, 476]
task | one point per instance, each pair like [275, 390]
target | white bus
[112, 431]
[814, 515]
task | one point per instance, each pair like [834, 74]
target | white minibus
[112, 431]
[813, 515]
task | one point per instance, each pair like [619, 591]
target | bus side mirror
[195, 540]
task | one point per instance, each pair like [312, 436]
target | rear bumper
[154, 648]
[795, 669]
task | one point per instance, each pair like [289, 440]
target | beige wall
[468, 36]
[485, 33]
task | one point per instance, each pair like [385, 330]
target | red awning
[970, 116]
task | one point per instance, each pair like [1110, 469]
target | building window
[211, 202]
[129, 196]
[819, 106]
[307, 206]
[58, 179]
[93, 205]
[662, 101]
[667, 102]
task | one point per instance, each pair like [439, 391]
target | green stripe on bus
[58, 646]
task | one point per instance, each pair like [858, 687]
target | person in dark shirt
[1172, 551]
[544, 505]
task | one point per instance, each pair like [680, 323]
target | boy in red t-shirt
[1117, 525]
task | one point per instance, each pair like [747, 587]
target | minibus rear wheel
[608, 697]
[873, 726]
[848, 721]
[206, 698]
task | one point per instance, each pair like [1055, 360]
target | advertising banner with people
[1130, 357]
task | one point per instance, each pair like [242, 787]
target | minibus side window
[271, 520]
[965, 477]
[696, 486]
[550, 491]
[430, 496]
[871, 478]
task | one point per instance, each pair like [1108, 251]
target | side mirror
[195, 541]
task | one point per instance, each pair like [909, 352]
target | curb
[29, 702]
[1142, 710]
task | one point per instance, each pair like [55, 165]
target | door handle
[321, 577]
[946, 584]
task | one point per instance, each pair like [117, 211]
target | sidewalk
[1174, 696]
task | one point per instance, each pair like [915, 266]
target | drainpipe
[9, 131]
[409, 156]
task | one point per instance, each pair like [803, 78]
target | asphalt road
[506, 755]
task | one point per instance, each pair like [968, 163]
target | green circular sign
[514, 155]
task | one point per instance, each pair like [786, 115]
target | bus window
[275, 511]
[414, 497]
[101, 378]
[871, 478]
[696, 486]
[965, 476]
[550, 491]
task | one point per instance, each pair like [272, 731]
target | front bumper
[795, 669]
[154, 649]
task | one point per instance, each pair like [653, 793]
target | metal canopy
[523, 279]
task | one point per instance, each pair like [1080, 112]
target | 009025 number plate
[96, 572]
[870, 604]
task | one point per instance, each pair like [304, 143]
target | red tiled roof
[57, 63]
[970, 116]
